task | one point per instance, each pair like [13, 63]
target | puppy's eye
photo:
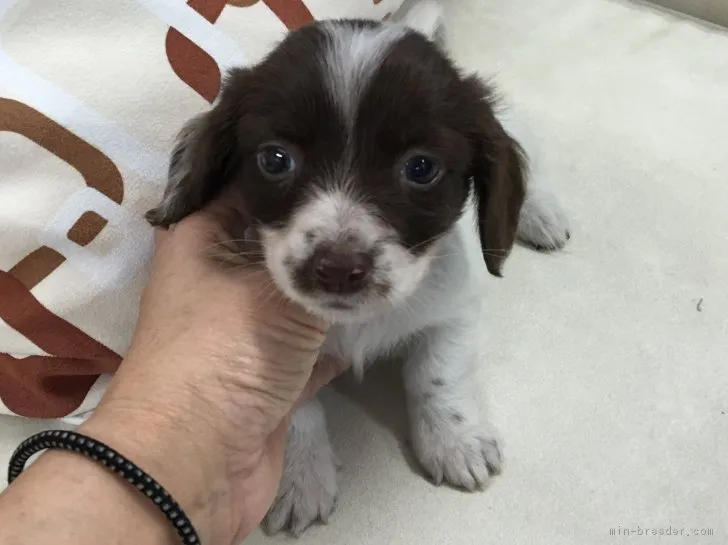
[421, 170]
[275, 162]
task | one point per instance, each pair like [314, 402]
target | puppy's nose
[341, 272]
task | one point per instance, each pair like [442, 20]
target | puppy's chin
[344, 310]
[355, 308]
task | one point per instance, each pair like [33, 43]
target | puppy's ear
[202, 162]
[498, 171]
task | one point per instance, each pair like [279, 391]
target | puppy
[379, 186]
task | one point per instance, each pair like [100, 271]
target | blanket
[92, 95]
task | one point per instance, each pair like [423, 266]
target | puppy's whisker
[272, 293]
[237, 252]
[233, 247]
[494, 253]
[238, 258]
[265, 291]
[235, 240]
[431, 282]
[424, 242]
[225, 252]
[240, 267]
[409, 307]
[261, 291]
[234, 262]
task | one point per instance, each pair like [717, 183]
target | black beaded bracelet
[112, 460]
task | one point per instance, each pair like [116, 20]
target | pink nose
[341, 272]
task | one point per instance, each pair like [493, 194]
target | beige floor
[606, 367]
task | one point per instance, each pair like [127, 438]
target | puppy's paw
[543, 223]
[307, 493]
[426, 17]
[456, 452]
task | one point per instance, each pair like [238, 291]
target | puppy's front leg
[542, 223]
[307, 492]
[448, 432]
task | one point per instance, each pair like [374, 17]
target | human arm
[200, 403]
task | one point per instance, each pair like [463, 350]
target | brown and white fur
[353, 105]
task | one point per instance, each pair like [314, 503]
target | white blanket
[92, 94]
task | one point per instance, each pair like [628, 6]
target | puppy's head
[352, 149]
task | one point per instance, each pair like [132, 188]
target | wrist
[187, 461]
[68, 499]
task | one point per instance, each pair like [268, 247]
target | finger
[325, 370]
[191, 234]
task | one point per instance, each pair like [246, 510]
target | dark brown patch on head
[280, 100]
[407, 109]
[437, 382]
[418, 102]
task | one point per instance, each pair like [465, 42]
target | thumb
[326, 369]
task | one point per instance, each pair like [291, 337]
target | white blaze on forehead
[333, 216]
[351, 58]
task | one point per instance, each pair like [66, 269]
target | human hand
[217, 362]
